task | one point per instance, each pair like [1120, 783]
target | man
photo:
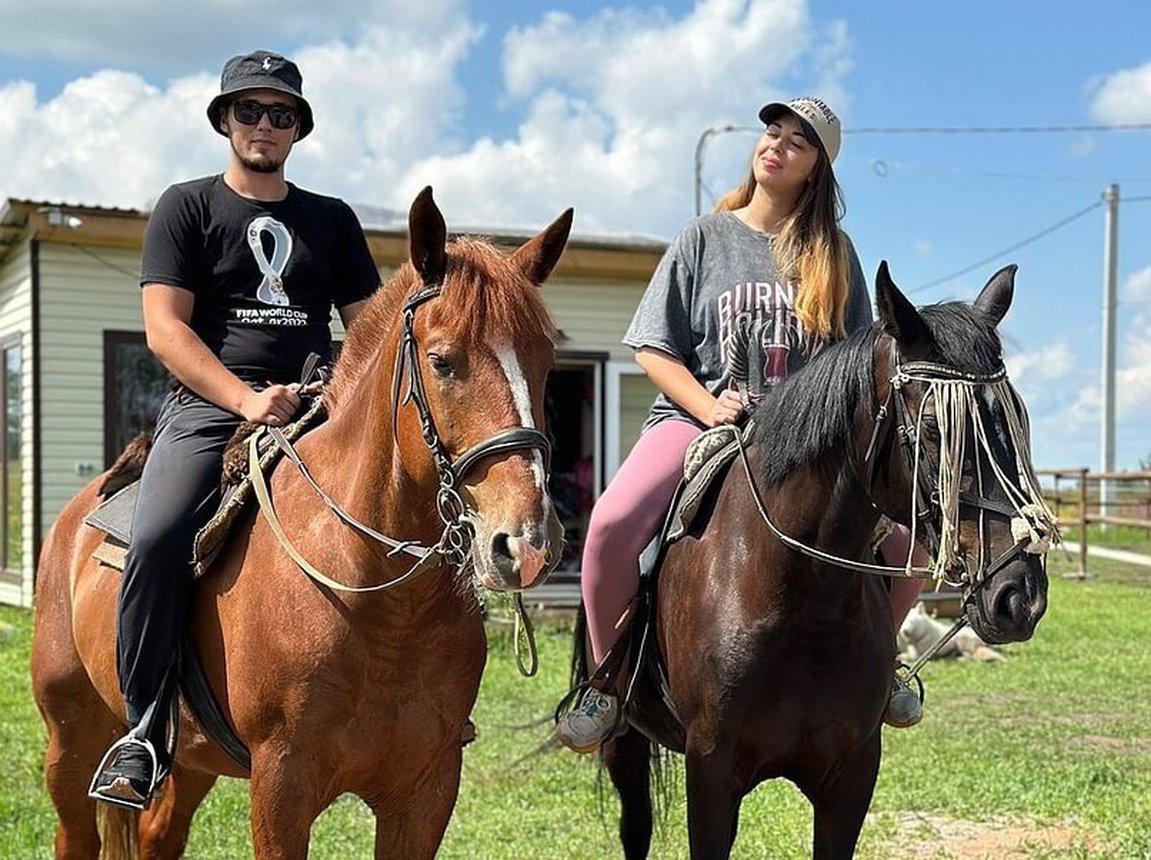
[240, 273]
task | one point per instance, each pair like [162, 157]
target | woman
[770, 259]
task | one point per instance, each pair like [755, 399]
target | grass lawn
[1046, 754]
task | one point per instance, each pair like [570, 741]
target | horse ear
[537, 257]
[427, 238]
[897, 315]
[995, 298]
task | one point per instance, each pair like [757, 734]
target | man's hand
[274, 406]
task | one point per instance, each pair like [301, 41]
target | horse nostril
[500, 546]
[1009, 603]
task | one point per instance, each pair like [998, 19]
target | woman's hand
[274, 405]
[727, 409]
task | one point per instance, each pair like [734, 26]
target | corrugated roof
[14, 214]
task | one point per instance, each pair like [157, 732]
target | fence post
[1082, 524]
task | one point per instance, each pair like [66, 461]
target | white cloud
[923, 249]
[615, 105]
[1137, 287]
[612, 104]
[1044, 365]
[173, 38]
[1124, 96]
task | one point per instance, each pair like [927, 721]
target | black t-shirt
[265, 274]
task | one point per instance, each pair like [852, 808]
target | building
[79, 382]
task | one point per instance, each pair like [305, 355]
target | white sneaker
[904, 709]
[590, 724]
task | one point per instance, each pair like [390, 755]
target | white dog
[920, 631]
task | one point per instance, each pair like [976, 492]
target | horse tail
[119, 832]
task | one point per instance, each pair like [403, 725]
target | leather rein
[893, 418]
[455, 540]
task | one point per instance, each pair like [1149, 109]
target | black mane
[809, 417]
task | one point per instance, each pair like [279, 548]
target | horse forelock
[485, 298]
[810, 415]
[963, 338]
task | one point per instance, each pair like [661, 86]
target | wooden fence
[1077, 496]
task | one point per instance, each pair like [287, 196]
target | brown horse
[773, 646]
[334, 691]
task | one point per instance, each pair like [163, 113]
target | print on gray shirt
[718, 275]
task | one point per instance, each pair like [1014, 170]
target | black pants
[179, 492]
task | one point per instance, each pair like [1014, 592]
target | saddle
[114, 518]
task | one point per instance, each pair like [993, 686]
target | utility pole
[701, 148]
[1110, 269]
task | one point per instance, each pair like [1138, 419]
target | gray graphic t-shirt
[716, 277]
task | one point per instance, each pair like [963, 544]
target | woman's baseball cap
[820, 124]
[261, 70]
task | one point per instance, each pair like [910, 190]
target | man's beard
[259, 164]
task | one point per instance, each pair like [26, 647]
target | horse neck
[357, 457]
[827, 509]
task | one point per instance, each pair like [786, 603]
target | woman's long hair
[810, 248]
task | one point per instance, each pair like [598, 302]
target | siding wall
[593, 315]
[16, 319]
[83, 293]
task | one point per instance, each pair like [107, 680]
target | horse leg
[628, 762]
[164, 826]
[713, 800]
[414, 828]
[284, 803]
[80, 726]
[841, 804]
[74, 750]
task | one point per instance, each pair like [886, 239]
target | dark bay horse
[776, 660]
[436, 411]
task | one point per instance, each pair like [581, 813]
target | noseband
[457, 535]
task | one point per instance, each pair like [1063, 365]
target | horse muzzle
[1008, 605]
[517, 557]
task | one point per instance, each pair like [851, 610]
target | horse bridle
[893, 419]
[457, 535]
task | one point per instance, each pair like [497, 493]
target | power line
[997, 129]
[1033, 238]
[882, 167]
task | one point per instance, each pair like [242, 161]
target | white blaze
[521, 397]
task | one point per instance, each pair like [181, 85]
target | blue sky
[514, 111]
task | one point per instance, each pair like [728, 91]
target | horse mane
[808, 417]
[485, 297]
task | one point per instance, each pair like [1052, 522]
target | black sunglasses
[249, 113]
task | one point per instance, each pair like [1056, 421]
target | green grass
[1057, 736]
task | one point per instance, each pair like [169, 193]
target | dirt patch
[935, 837]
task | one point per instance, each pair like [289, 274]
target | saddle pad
[111, 553]
[706, 460]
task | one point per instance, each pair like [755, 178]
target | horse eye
[441, 365]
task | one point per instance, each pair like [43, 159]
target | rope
[956, 407]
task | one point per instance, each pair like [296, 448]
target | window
[135, 384]
[12, 551]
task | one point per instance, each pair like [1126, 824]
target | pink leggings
[629, 513]
[624, 520]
